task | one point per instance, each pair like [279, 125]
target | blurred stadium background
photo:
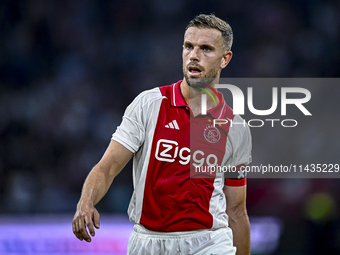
[68, 69]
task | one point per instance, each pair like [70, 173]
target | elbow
[238, 213]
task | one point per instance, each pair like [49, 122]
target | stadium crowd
[68, 69]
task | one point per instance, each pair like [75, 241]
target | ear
[226, 58]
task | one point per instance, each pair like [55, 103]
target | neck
[192, 96]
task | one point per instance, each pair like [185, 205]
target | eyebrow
[202, 45]
[208, 45]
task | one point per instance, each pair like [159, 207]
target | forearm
[95, 186]
[101, 176]
[241, 232]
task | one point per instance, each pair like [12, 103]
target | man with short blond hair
[175, 209]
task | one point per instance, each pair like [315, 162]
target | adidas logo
[173, 125]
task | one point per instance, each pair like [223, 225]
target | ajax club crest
[211, 134]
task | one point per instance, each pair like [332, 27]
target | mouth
[194, 71]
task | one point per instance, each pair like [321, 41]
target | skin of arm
[95, 187]
[238, 218]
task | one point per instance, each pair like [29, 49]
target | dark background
[68, 69]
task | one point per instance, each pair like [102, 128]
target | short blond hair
[211, 21]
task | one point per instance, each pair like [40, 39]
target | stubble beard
[208, 79]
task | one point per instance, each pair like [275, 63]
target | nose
[194, 54]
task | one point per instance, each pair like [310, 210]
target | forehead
[203, 36]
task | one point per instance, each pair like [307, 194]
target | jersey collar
[219, 109]
[176, 95]
[177, 100]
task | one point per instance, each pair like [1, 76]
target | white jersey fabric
[169, 196]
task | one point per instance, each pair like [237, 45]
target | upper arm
[133, 129]
[240, 144]
[236, 199]
[114, 159]
[128, 137]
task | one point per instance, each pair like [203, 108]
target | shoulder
[150, 94]
[240, 126]
[147, 98]
[156, 94]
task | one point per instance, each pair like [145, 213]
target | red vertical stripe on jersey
[172, 200]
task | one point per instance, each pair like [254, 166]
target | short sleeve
[240, 143]
[131, 132]
[240, 139]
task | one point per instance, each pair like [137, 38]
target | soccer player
[177, 209]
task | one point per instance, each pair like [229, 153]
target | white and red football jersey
[169, 145]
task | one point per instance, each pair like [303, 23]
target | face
[203, 56]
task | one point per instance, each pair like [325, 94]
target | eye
[206, 48]
[188, 46]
